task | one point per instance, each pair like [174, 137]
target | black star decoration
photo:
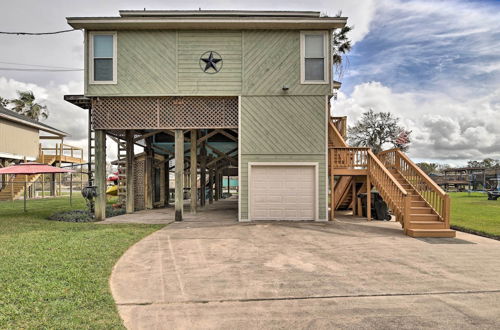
[211, 62]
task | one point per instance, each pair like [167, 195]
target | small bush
[83, 215]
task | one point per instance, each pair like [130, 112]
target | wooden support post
[129, 172]
[100, 174]
[194, 170]
[332, 197]
[203, 174]
[148, 177]
[211, 185]
[52, 187]
[368, 198]
[354, 197]
[179, 171]
[228, 185]
[167, 181]
[217, 182]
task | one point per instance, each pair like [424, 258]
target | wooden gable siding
[271, 59]
[146, 65]
[283, 129]
[283, 125]
[17, 139]
[192, 45]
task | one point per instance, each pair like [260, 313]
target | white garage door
[282, 192]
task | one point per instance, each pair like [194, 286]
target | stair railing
[438, 200]
[390, 189]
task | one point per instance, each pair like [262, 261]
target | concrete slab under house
[213, 96]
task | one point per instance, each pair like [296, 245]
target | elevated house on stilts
[240, 93]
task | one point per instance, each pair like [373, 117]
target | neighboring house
[20, 141]
[252, 88]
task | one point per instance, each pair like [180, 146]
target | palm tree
[4, 102]
[25, 104]
[341, 45]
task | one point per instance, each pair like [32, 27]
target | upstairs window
[102, 58]
[314, 57]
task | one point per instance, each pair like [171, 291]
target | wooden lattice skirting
[190, 112]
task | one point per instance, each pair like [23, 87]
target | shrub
[84, 215]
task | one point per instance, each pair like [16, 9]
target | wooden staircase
[15, 187]
[422, 207]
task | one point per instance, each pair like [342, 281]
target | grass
[475, 212]
[55, 274]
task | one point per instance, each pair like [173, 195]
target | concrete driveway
[211, 272]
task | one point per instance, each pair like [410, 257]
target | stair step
[420, 210]
[419, 203]
[423, 217]
[427, 225]
[431, 233]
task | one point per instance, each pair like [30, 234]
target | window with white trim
[314, 61]
[102, 58]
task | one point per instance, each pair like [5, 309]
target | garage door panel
[282, 192]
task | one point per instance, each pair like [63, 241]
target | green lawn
[475, 212]
[55, 274]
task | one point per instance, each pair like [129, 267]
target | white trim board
[316, 183]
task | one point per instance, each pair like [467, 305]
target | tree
[487, 163]
[379, 129]
[341, 45]
[428, 167]
[25, 104]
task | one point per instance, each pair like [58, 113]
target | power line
[40, 70]
[38, 33]
[40, 66]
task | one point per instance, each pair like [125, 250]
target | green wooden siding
[271, 59]
[166, 62]
[283, 129]
[192, 80]
[146, 65]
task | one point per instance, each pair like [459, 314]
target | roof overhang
[78, 100]
[40, 127]
[205, 22]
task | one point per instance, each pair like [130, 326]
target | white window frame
[91, 58]
[326, 53]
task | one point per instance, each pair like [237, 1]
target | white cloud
[444, 129]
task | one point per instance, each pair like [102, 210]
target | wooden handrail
[351, 158]
[436, 197]
[341, 124]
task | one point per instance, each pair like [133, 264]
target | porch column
[100, 174]
[194, 170]
[129, 172]
[179, 171]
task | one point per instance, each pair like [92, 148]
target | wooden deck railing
[341, 124]
[423, 184]
[349, 158]
[62, 150]
[390, 189]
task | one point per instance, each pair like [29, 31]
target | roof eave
[122, 23]
[34, 125]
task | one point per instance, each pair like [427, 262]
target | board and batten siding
[282, 129]
[167, 62]
[18, 140]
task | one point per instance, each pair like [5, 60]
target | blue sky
[434, 64]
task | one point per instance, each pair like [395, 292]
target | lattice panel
[164, 112]
[139, 167]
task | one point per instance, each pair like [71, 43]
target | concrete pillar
[179, 171]
[194, 170]
[130, 193]
[100, 174]
[167, 182]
